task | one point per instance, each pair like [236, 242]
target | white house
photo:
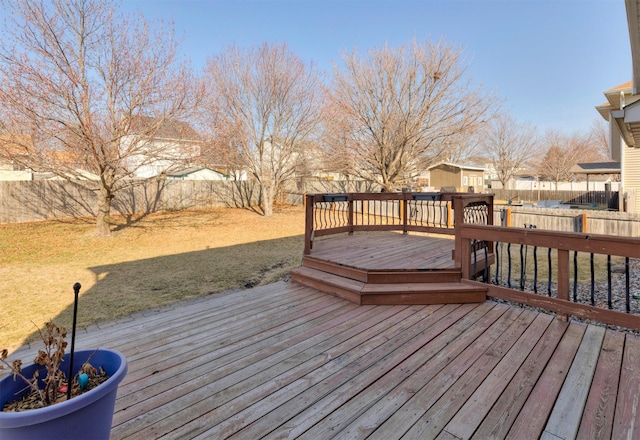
[159, 146]
[622, 111]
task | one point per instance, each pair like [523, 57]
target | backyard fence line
[27, 201]
[37, 200]
[589, 221]
[568, 197]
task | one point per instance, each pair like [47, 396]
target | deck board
[391, 250]
[287, 361]
[597, 419]
[500, 418]
[533, 416]
[478, 405]
[627, 417]
[565, 417]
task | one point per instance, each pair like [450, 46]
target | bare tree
[265, 104]
[599, 137]
[563, 152]
[399, 110]
[74, 76]
[508, 146]
[555, 165]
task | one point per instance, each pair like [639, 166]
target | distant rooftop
[596, 168]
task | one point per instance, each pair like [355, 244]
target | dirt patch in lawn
[149, 262]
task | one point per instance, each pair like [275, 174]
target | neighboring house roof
[186, 171]
[622, 86]
[460, 166]
[623, 106]
[596, 168]
[167, 129]
[622, 100]
[628, 120]
[615, 99]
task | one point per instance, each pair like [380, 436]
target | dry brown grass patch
[149, 262]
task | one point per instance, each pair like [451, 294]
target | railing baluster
[535, 269]
[498, 254]
[627, 290]
[486, 263]
[609, 281]
[593, 280]
[550, 272]
[522, 267]
[474, 249]
[509, 267]
[575, 276]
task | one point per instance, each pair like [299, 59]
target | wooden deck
[386, 250]
[387, 268]
[287, 361]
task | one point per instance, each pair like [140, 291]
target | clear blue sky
[549, 60]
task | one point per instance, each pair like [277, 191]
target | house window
[465, 180]
[480, 181]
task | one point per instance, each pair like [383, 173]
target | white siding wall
[631, 174]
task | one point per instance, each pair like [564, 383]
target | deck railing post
[458, 221]
[350, 213]
[403, 212]
[463, 249]
[490, 209]
[563, 278]
[308, 223]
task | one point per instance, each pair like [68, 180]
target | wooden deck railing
[328, 214]
[563, 290]
[469, 217]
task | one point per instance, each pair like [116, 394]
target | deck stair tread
[384, 276]
[419, 287]
[394, 289]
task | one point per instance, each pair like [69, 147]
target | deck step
[390, 276]
[360, 292]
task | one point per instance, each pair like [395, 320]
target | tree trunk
[267, 199]
[103, 218]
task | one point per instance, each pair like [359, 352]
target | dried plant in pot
[38, 402]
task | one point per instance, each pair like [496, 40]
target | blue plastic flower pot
[87, 416]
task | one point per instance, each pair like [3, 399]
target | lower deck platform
[387, 268]
[387, 251]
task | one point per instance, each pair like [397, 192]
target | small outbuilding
[465, 178]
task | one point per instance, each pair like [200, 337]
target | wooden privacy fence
[35, 200]
[574, 197]
[571, 220]
[23, 201]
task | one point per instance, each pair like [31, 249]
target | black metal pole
[76, 291]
